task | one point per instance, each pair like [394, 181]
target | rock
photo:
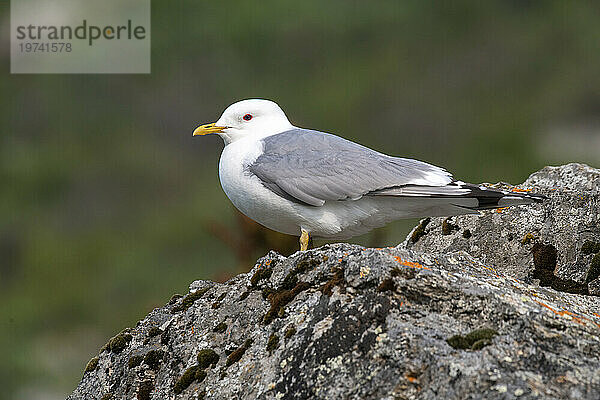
[563, 234]
[425, 320]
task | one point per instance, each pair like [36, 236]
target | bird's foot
[304, 240]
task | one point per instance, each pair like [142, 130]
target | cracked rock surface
[445, 317]
[563, 233]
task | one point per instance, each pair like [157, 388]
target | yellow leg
[304, 239]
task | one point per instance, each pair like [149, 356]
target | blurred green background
[108, 205]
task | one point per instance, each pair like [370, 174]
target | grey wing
[314, 167]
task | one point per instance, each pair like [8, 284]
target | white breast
[248, 194]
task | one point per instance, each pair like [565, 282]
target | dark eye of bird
[247, 117]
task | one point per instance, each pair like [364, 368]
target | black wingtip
[540, 198]
[489, 198]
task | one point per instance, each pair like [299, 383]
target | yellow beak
[208, 129]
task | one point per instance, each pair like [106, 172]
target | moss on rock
[260, 274]
[291, 331]
[217, 303]
[590, 247]
[92, 365]
[154, 331]
[419, 231]
[594, 271]
[207, 358]
[448, 227]
[291, 279]
[145, 390]
[153, 358]
[118, 343]
[527, 239]
[134, 361]
[237, 354]
[189, 300]
[280, 299]
[272, 343]
[475, 340]
[188, 377]
[386, 285]
[337, 279]
[220, 328]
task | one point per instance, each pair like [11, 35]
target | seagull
[309, 183]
